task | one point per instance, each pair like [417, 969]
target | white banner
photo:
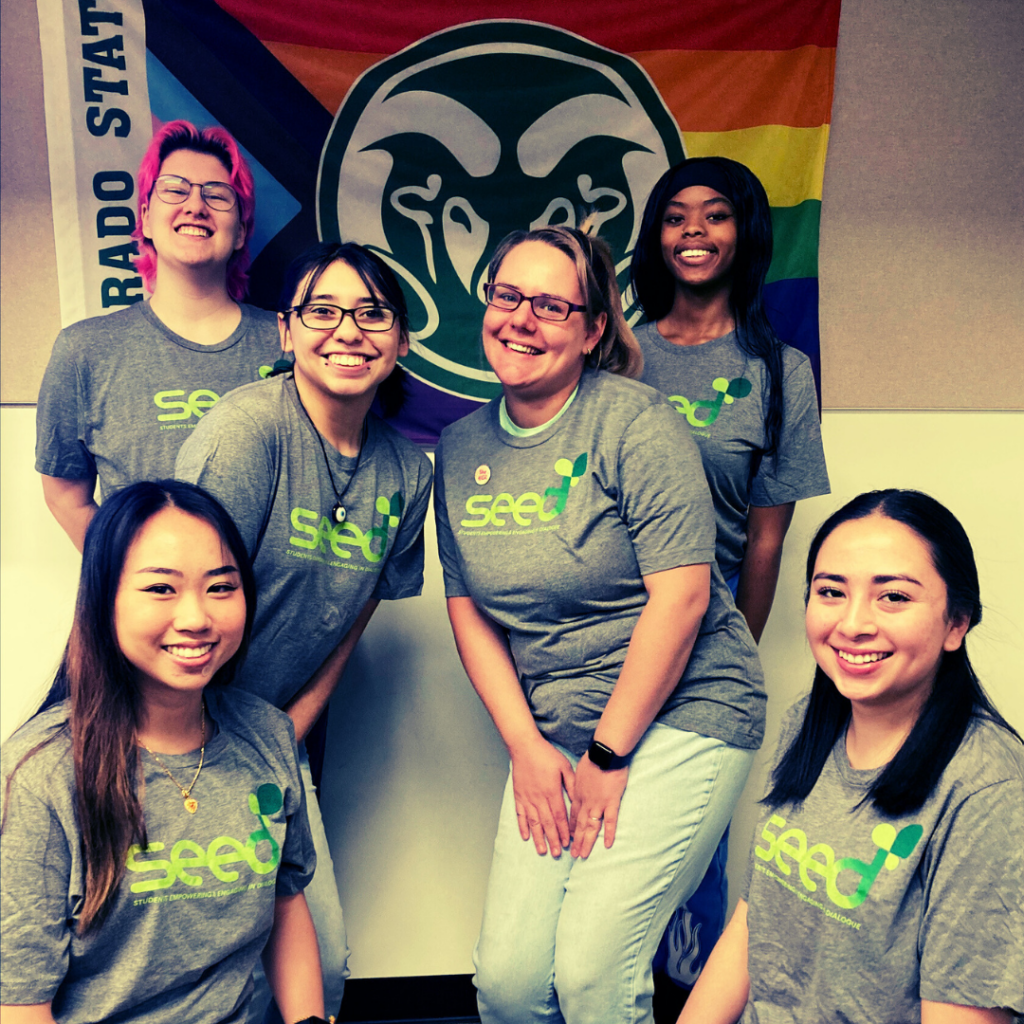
[98, 126]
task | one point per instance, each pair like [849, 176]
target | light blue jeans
[570, 941]
[325, 909]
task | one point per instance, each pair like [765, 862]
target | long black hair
[379, 279]
[655, 287]
[100, 683]
[956, 697]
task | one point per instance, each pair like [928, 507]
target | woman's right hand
[541, 775]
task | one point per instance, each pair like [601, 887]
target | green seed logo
[728, 392]
[187, 857]
[820, 859]
[341, 538]
[185, 408]
[488, 510]
[440, 150]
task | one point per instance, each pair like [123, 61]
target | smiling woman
[878, 628]
[891, 835]
[345, 339]
[749, 401]
[179, 612]
[138, 749]
[601, 639]
[122, 390]
[331, 503]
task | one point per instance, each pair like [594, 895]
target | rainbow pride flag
[428, 131]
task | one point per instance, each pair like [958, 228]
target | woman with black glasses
[330, 502]
[577, 538]
[122, 390]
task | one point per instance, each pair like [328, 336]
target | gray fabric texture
[938, 917]
[258, 453]
[122, 392]
[554, 544]
[194, 910]
[716, 388]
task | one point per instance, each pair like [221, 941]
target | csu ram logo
[440, 150]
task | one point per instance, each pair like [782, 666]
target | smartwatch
[605, 758]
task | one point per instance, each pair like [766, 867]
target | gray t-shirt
[194, 909]
[122, 392]
[857, 917]
[552, 534]
[258, 453]
[717, 389]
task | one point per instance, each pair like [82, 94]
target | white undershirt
[517, 431]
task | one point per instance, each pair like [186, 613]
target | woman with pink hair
[122, 390]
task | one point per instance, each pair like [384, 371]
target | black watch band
[605, 758]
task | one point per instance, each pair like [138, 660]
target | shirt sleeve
[298, 856]
[60, 450]
[447, 549]
[226, 440]
[797, 469]
[663, 494]
[35, 866]
[402, 575]
[971, 942]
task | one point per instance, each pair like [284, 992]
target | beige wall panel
[30, 314]
[922, 231]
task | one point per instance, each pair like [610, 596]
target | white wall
[414, 768]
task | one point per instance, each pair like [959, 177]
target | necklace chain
[338, 511]
[191, 804]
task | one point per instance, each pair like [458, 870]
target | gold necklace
[191, 804]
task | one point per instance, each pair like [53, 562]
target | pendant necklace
[191, 804]
[338, 512]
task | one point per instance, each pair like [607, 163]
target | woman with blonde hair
[577, 539]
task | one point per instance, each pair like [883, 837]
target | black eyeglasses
[173, 189]
[545, 307]
[322, 316]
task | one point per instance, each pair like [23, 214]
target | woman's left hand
[596, 798]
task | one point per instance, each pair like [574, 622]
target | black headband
[701, 172]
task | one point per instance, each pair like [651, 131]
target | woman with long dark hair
[155, 838]
[699, 270]
[330, 501]
[576, 535]
[122, 390]
[749, 401]
[886, 876]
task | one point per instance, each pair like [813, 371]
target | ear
[239, 235]
[403, 343]
[282, 330]
[145, 220]
[595, 332]
[957, 631]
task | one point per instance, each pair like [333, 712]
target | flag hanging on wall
[427, 132]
